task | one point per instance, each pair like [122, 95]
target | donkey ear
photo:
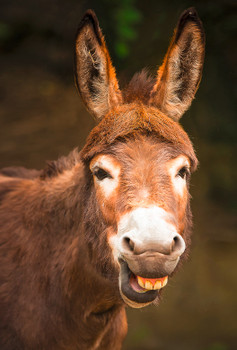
[179, 76]
[94, 73]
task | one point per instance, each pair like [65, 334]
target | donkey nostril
[176, 244]
[128, 244]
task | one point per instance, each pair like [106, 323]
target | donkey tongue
[152, 283]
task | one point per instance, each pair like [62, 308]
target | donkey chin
[148, 249]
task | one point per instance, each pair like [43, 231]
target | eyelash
[183, 172]
[101, 174]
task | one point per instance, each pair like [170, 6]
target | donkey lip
[130, 288]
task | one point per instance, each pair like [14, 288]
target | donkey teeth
[152, 284]
[148, 285]
[158, 285]
[165, 281]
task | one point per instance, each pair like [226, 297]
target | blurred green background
[41, 118]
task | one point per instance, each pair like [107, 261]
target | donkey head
[138, 157]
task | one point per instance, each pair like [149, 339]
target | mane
[139, 88]
[55, 167]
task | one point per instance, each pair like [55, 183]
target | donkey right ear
[179, 76]
[94, 73]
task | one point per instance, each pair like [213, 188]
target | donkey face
[140, 157]
[142, 190]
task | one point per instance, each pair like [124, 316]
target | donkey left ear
[180, 74]
[94, 72]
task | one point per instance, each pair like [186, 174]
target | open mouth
[139, 289]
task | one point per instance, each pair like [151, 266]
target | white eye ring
[106, 170]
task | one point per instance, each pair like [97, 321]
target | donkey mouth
[138, 291]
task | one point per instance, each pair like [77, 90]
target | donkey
[107, 226]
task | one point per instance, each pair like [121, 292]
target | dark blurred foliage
[41, 117]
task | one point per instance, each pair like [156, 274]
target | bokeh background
[42, 117]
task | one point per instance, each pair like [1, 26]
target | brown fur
[58, 279]
[134, 118]
[139, 88]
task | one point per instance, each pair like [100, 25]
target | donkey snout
[173, 245]
[149, 242]
[152, 258]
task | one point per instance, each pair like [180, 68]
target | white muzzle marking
[149, 230]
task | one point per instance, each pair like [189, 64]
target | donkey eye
[183, 172]
[101, 174]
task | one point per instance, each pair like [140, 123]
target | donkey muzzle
[149, 242]
[150, 247]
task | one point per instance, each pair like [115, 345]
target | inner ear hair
[95, 76]
[180, 74]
